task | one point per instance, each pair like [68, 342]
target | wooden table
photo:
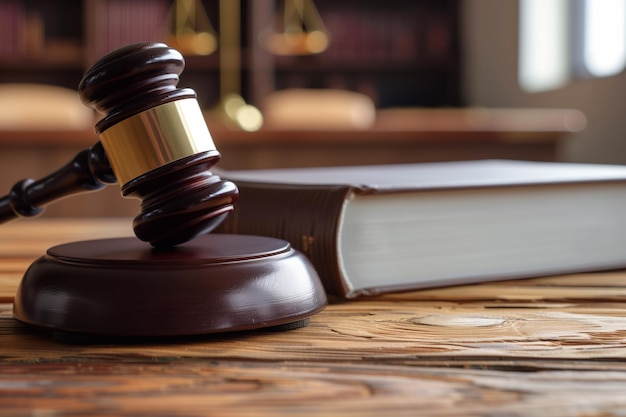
[553, 346]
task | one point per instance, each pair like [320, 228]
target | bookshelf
[400, 52]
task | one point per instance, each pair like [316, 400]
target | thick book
[386, 228]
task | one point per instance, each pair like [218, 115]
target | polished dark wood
[132, 79]
[89, 170]
[180, 200]
[125, 287]
[121, 287]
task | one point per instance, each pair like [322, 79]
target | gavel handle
[89, 170]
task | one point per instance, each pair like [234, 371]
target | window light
[604, 37]
[543, 53]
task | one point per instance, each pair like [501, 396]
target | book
[375, 229]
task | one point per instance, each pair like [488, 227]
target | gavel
[154, 142]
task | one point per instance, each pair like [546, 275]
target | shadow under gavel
[154, 142]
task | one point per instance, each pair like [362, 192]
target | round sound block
[124, 287]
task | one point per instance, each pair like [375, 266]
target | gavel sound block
[176, 278]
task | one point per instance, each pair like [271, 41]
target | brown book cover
[385, 228]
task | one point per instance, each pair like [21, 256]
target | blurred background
[325, 82]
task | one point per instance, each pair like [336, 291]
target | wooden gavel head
[157, 143]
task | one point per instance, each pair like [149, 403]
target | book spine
[306, 217]
[12, 18]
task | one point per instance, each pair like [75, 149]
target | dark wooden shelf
[41, 63]
[382, 42]
[462, 125]
[403, 136]
[47, 138]
[393, 66]
[196, 62]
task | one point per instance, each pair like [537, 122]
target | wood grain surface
[553, 346]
